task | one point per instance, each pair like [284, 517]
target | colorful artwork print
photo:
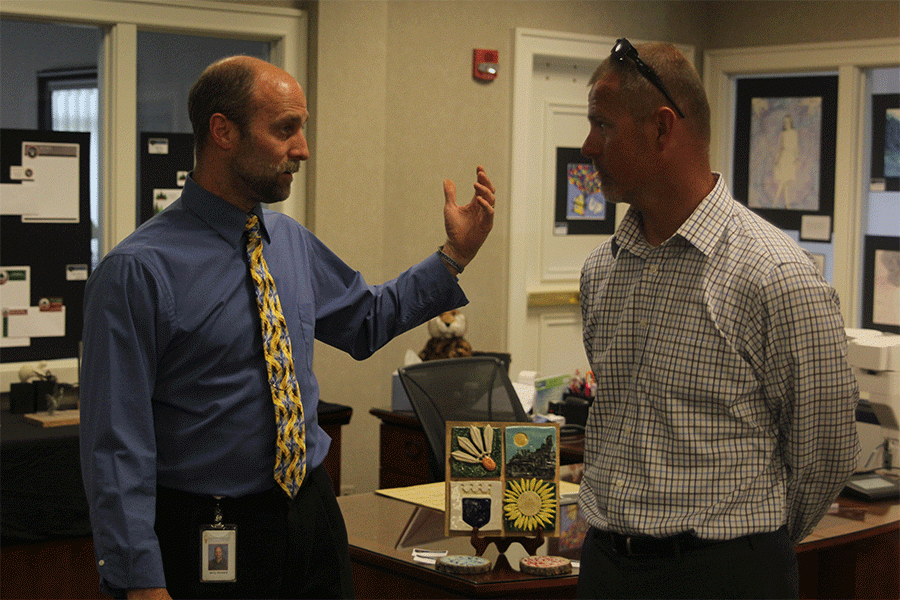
[476, 504]
[571, 529]
[529, 504]
[584, 199]
[502, 479]
[475, 451]
[531, 451]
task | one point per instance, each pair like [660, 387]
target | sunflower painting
[529, 504]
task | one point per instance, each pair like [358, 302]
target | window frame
[120, 20]
[286, 29]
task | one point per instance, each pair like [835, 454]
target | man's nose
[299, 149]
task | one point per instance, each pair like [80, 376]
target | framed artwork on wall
[784, 151]
[885, 142]
[580, 206]
[881, 283]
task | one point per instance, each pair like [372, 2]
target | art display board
[502, 478]
[165, 161]
[45, 245]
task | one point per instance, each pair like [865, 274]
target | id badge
[218, 551]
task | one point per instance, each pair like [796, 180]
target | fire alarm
[485, 64]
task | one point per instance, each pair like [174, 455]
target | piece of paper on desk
[429, 495]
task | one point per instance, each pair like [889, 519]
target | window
[68, 100]
[45, 36]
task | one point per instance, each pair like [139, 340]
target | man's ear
[223, 132]
[664, 122]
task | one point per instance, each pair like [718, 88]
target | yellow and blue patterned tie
[290, 447]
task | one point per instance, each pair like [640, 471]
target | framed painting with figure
[784, 151]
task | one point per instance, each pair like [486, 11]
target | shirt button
[653, 269]
[619, 482]
[102, 562]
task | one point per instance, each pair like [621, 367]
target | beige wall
[395, 111]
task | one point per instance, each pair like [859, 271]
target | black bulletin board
[162, 157]
[50, 249]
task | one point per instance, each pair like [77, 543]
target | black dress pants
[284, 549]
[755, 566]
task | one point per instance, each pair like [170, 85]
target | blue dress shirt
[173, 384]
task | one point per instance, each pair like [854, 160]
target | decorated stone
[463, 565]
[545, 565]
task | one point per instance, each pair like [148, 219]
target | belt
[645, 545]
[273, 494]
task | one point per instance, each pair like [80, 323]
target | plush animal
[447, 341]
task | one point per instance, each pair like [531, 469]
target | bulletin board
[165, 161]
[45, 246]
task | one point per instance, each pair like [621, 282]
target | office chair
[474, 388]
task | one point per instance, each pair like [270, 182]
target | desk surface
[853, 520]
[383, 532]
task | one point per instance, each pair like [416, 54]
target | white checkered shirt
[725, 405]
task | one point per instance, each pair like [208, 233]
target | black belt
[645, 545]
[273, 494]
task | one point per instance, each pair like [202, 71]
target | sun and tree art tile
[503, 478]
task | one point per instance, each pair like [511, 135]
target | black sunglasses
[623, 49]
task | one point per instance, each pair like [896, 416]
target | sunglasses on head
[623, 49]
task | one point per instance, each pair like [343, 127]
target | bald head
[228, 86]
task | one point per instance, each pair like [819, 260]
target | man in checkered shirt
[724, 422]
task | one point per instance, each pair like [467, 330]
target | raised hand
[468, 226]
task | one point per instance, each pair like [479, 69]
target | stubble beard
[263, 178]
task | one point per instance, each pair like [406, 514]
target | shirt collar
[707, 223]
[702, 229]
[222, 216]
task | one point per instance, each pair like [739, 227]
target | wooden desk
[332, 418]
[403, 450]
[854, 553]
[383, 532]
[851, 554]
[40, 560]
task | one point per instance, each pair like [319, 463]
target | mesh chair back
[474, 388]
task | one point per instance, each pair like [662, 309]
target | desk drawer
[404, 457]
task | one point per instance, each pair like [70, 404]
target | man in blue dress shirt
[177, 420]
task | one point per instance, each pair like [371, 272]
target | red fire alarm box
[485, 64]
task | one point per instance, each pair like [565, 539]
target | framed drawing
[881, 283]
[580, 206]
[784, 151]
[886, 142]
